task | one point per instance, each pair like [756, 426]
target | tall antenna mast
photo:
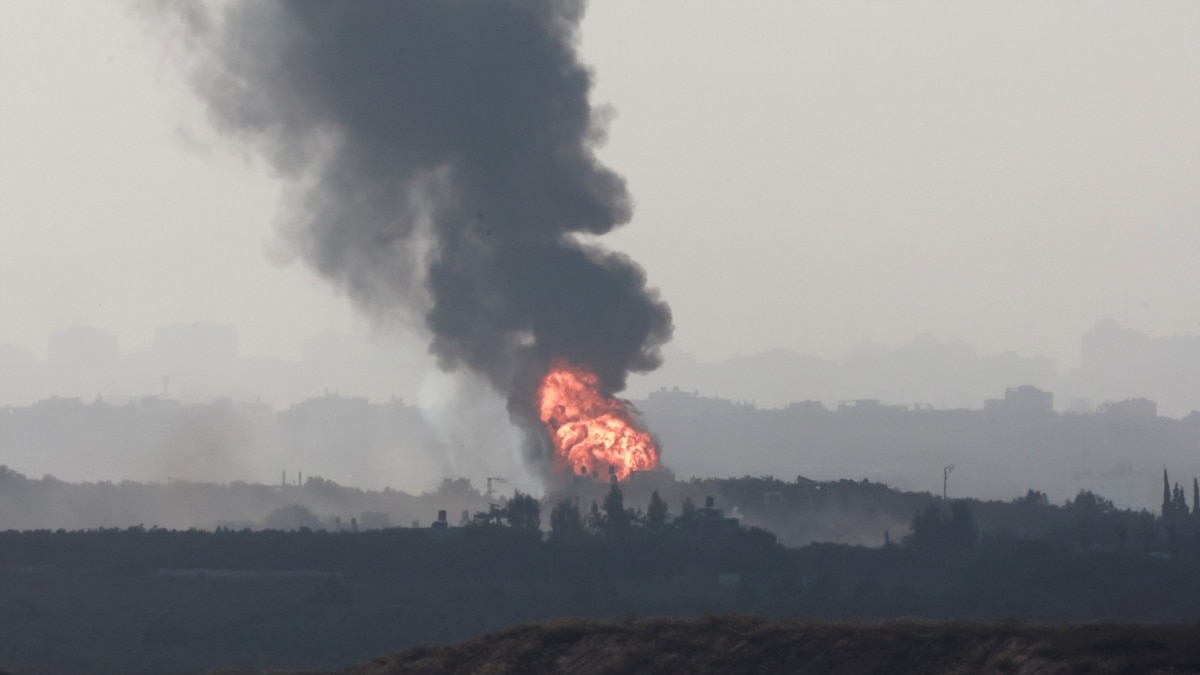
[946, 478]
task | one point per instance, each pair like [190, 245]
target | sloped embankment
[738, 644]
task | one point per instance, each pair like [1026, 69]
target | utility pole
[946, 478]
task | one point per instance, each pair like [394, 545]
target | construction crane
[491, 480]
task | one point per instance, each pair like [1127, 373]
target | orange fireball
[592, 433]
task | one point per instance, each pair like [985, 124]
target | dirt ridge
[744, 644]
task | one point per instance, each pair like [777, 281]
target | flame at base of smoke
[592, 433]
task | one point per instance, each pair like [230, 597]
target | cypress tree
[1166, 506]
[657, 513]
[615, 517]
[1178, 502]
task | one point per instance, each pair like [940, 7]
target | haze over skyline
[199, 362]
[804, 176]
[357, 414]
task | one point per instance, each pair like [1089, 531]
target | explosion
[441, 163]
[592, 433]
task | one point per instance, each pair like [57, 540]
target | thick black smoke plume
[440, 157]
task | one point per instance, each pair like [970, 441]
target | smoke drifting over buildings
[439, 160]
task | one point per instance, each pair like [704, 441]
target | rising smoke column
[439, 157]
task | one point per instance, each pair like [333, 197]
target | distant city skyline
[1117, 450]
[202, 361]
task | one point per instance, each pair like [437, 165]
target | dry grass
[740, 644]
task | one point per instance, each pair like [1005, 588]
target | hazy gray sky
[806, 175]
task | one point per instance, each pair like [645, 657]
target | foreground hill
[739, 644]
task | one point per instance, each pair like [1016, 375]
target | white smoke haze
[217, 444]
[474, 430]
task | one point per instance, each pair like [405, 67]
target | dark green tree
[926, 529]
[962, 529]
[596, 524]
[1091, 503]
[523, 512]
[566, 523]
[1033, 498]
[657, 513]
[688, 509]
[934, 529]
[616, 518]
[1166, 505]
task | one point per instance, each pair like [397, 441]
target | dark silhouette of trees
[926, 529]
[1034, 498]
[1166, 504]
[523, 513]
[1174, 506]
[935, 529]
[493, 517]
[596, 523]
[617, 521]
[963, 531]
[1091, 503]
[1091, 524]
[687, 510]
[657, 514]
[1178, 501]
[456, 488]
[291, 517]
[566, 523]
